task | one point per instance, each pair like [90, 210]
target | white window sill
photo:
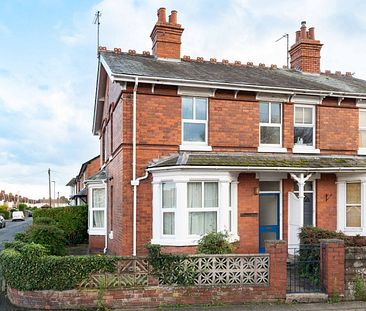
[94, 231]
[361, 151]
[165, 241]
[271, 149]
[174, 242]
[195, 148]
[305, 150]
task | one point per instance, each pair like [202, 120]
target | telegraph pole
[49, 186]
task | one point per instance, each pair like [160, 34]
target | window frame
[346, 205]
[168, 210]
[203, 209]
[91, 229]
[313, 125]
[270, 124]
[194, 121]
[361, 128]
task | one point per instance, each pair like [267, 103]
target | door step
[306, 297]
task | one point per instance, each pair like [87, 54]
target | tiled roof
[264, 161]
[149, 66]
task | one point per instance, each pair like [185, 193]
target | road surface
[7, 234]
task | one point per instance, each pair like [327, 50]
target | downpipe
[135, 182]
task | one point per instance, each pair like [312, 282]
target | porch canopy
[256, 162]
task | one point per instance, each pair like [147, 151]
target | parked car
[18, 215]
[2, 222]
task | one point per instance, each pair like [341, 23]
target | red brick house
[78, 191]
[190, 146]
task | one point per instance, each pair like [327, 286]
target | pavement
[346, 306]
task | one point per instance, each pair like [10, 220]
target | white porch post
[296, 209]
[223, 217]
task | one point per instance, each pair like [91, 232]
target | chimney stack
[305, 53]
[166, 36]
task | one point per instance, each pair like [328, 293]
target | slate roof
[101, 175]
[264, 161]
[149, 66]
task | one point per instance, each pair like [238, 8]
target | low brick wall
[355, 265]
[154, 296]
[267, 282]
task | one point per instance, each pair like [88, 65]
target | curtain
[168, 223]
[169, 197]
[354, 193]
[98, 219]
[353, 216]
[201, 223]
[98, 198]
[211, 194]
[194, 193]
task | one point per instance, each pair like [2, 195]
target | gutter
[261, 169]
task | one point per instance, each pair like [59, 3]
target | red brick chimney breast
[305, 53]
[166, 36]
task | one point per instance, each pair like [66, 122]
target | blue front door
[269, 218]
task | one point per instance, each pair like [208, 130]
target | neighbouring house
[189, 146]
[78, 190]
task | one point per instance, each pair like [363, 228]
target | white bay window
[97, 210]
[186, 206]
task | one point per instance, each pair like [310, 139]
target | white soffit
[281, 98]
[196, 91]
[361, 103]
[306, 99]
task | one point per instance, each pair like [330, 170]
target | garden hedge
[73, 220]
[28, 267]
[312, 235]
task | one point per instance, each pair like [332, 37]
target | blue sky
[48, 65]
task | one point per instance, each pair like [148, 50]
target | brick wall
[96, 244]
[332, 268]
[337, 129]
[248, 206]
[326, 202]
[163, 296]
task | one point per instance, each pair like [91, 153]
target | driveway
[7, 234]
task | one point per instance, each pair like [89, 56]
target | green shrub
[22, 207]
[73, 220]
[51, 237]
[47, 221]
[313, 235]
[164, 267]
[4, 211]
[215, 243]
[28, 268]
